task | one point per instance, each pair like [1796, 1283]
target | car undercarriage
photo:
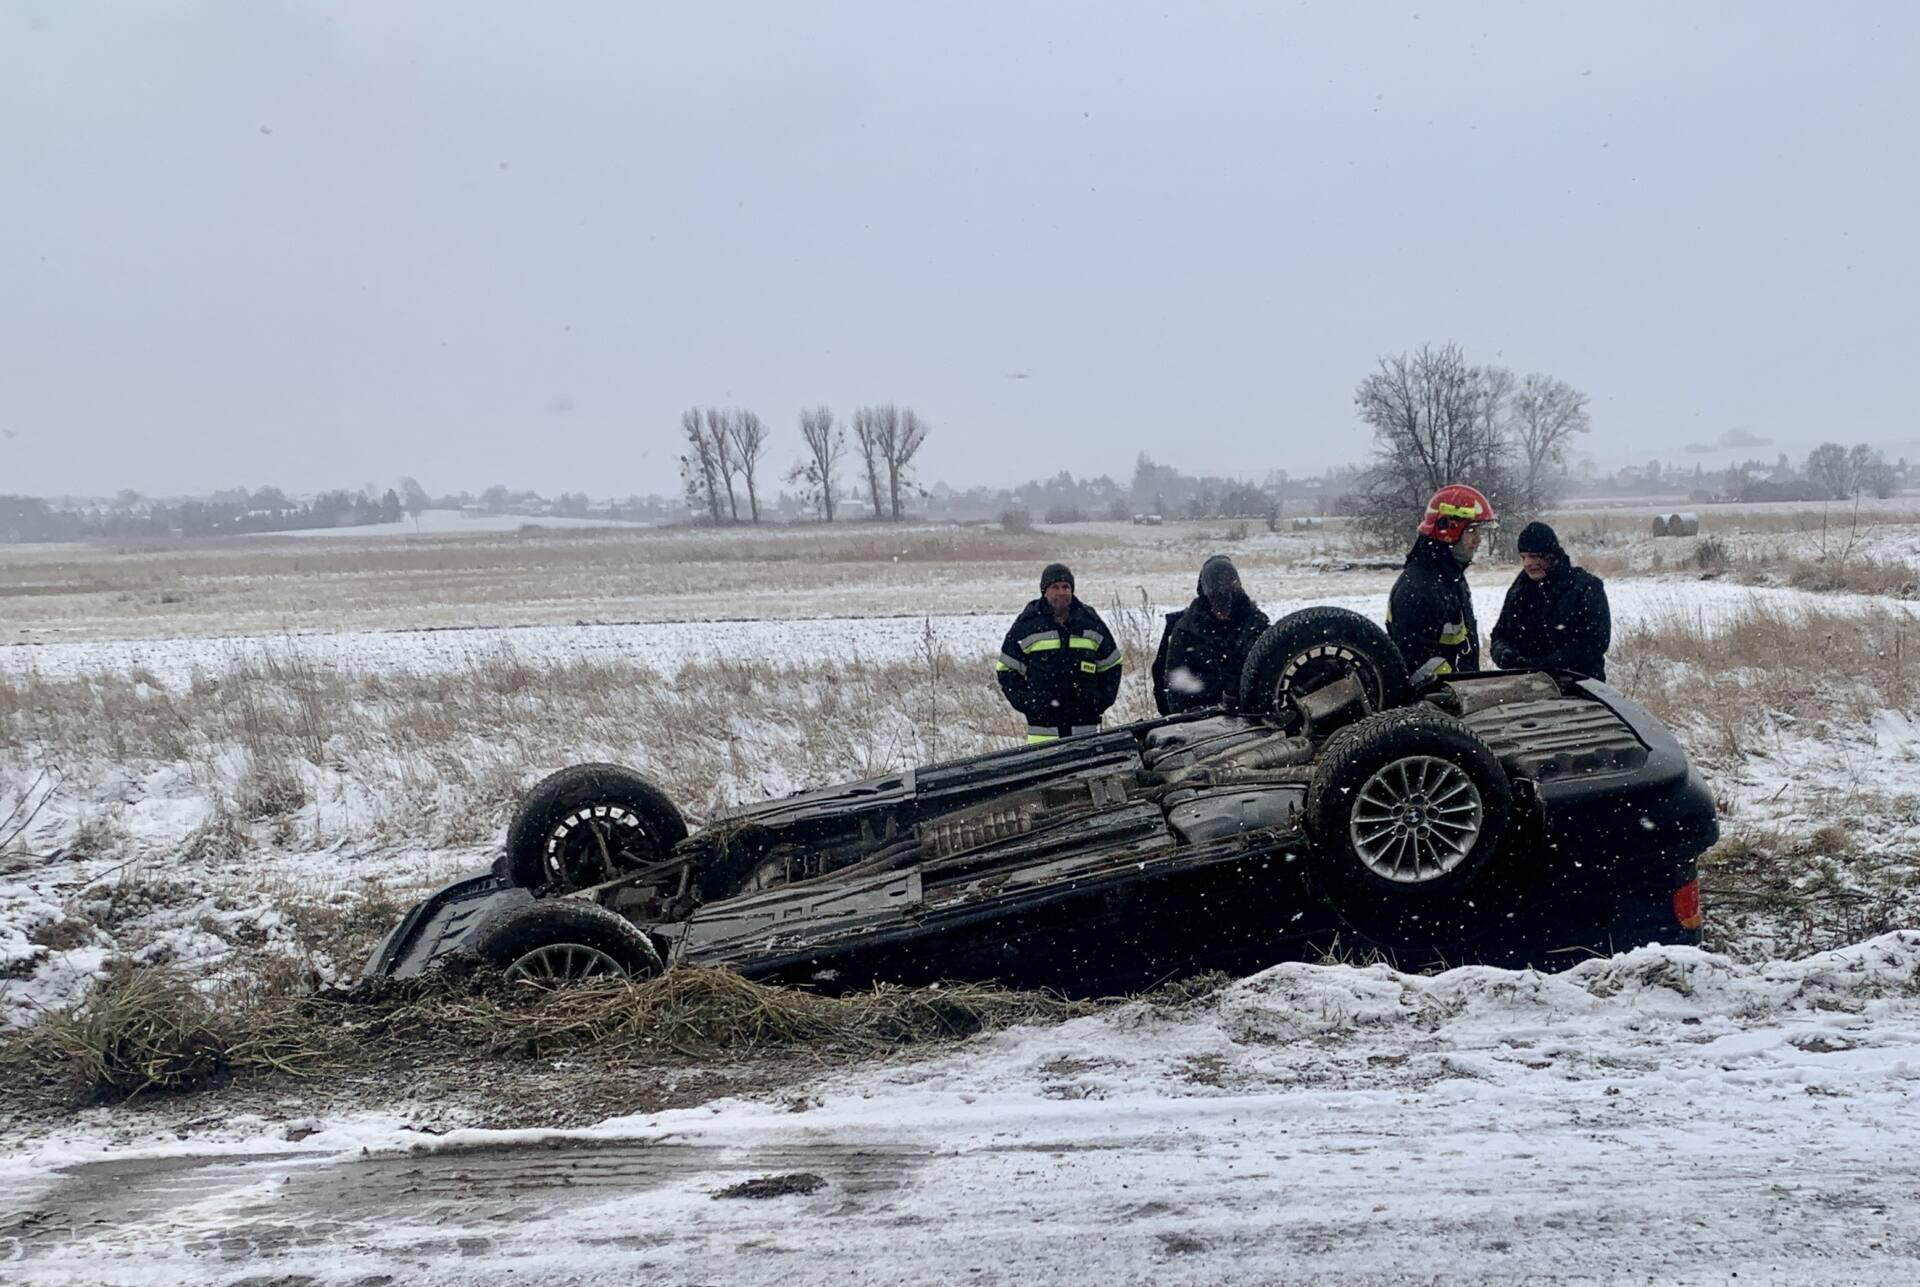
[1515, 818]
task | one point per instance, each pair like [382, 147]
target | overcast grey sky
[326, 244]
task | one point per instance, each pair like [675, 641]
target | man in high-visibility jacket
[1058, 666]
[1430, 612]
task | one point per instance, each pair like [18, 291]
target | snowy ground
[453, 522]
[669, 645]
[132, 872]
[1661, 1116]
[1674, 1115]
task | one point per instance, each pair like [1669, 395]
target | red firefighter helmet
[1453, 509]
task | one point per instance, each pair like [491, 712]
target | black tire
[562, 940]
[1307, 649]
[590, 823]
[1406, 810]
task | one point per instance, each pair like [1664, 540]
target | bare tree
[866, 432]
[414, 497]
[1547, 413]
[1435, 420]
[748, 435]
[1828, 468]
[826, 444]
[902, 434]
[720, 442]
[699, 470]
[1870, 471]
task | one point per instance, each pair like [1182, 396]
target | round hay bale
[1659, 525]
[1687, 524]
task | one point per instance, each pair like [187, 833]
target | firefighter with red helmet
[1430, 612]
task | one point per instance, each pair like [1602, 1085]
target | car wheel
[559, 941]
[1406, 808]
[588, 824]
[1307, 650]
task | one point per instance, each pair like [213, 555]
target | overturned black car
[1508, 818]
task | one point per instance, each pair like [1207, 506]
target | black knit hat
[1218, 575]
[1055, 572]
[1538, 538]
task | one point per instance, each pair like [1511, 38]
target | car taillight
[1686, 905]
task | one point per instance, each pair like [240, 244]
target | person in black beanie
[1058, 665]
[1205, 646]
[1556, 615]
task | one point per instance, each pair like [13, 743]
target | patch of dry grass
[1828, 865]
[1782, 894]
[287, 752]
[148, 1031]
[269, 586]
[1831, 548]
[341, 930]
[705, 1012]
[1850, 573]
[1722, 685]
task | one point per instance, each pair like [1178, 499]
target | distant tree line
[1830, 472]
[1436, 418]
[227, 513]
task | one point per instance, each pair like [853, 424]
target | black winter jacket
[1560, 622]
[1430, 612]
[1062, 678]
[1205, 654]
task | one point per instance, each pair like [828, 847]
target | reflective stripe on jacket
[1430, 612]
[1059, 676]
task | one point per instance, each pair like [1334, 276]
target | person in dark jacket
[1206, 645]
[1059, 665]
[1430, 612]
[1556, 615]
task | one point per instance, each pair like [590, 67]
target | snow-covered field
[879, 637]
[453, 522]
[1673, 1115]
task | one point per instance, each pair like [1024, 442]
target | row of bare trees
[723, 445]
[888, 438]
[1438, 419]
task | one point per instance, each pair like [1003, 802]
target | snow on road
[1662, 1116]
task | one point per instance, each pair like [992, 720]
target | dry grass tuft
[1775, 894]
[147, 1030]
[1723, 686]
[271, 788]
[219, 838]
[1855, 574]
[101, 834]
[348, 927]
[285, 750]
[706, 1012]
